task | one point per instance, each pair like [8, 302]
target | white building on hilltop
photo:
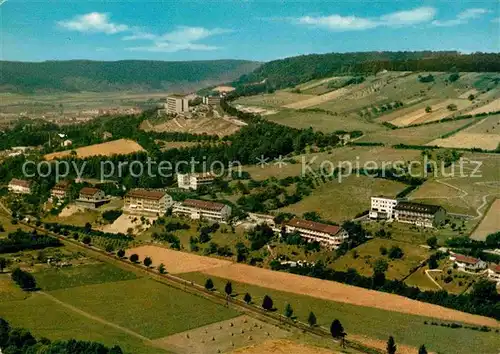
[147, 202]
[194, 180]
[177, 104]
[382, 208]
[202, 209]
[329, 235]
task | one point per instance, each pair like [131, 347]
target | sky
[259, 30]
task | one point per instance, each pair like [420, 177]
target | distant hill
[291, 71]
[138, 75]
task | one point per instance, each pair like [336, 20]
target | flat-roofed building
[147, 202]
[212, 100]
[194, 180]
[61, 190]
[177, 104]
[19, 186]
[382, 208]
[203, 209]
[419, 214]
[328, 235]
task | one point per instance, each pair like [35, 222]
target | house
[211, 100]
[19, 186]
[202, 209]
[494, 273]
[329, 235]
[61, 190]
[194, 180]
[468, 263]
[419, 214]
[382, 208]
[91, 198]
[147, 202]
[177, 104]
[67, 143]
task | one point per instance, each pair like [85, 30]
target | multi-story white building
[329, 235]
[61, 190]
[194, 180]
[177, 104]
[202, 209]
[468, 263]
[211, 100]
[147, 202]
[19, 186]
[382, 208]
[419, 214]
[494, 273]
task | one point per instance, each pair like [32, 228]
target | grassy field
[343, 201]
[145, 306]
[55, 278]
[324, 122]
[489, 224]
[363, 257]
[272, 100]
[370, 322]
[8, 227]
[44, 318]
[414, 135]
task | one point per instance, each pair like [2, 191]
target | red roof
[63, 186]
[314, 226]
[495, 268]
[89, 191]
[465, 259]
[144, 194]
[203, 204]
[20, 183]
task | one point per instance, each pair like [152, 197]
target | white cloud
[95, 22]
[462, 18]
[352, 23]
[182, 38]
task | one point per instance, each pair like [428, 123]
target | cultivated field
[326, 290]
[116, 147]
[317, 100]
[273, 100]
[490, 224]
[210, 126]
[414, 135]
[484, 135]
[363, 257]
[493, 106]
[282, 347]
[343, 201]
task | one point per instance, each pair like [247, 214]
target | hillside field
[116, 147]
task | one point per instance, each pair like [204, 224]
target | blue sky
[241, 29]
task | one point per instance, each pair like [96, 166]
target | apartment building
[468, 263]
[19, 186]
[328, 235]
[194, 180]
[91, 198]
[425, 215]
[211, 100]
[202, 209]
[177, 104]
[61, 190]
[382, 208]
[147, 202]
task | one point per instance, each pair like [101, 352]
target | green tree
[120, 253]
[428, 109]
[134, 258]
[432, 242]
[209, 284]
[391, 346]
[148, 261]
[228, 289]
[109, 248]
[380, 266]
[267, 303]
[247, 298]
[161, 268]
[336, 329]
[311, 319]
[3, 264]
[25, 280]
[422, 349]
[86, 240]
[288, 311]
[395, 252]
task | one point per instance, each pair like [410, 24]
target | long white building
[329, 235]
[202, 209]
[382, 208]
[177, 104]
[147, 202]
[194, 180]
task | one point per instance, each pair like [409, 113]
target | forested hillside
[295, 70]
[85, 75]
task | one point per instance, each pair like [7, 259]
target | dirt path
[94, 318]
[427, 271]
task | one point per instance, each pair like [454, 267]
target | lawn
[325, 122]
[147, 307]
[414, 135]
[364, 256]
[374, 323]
[343, 201]
[61, 278]
[44, 318]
